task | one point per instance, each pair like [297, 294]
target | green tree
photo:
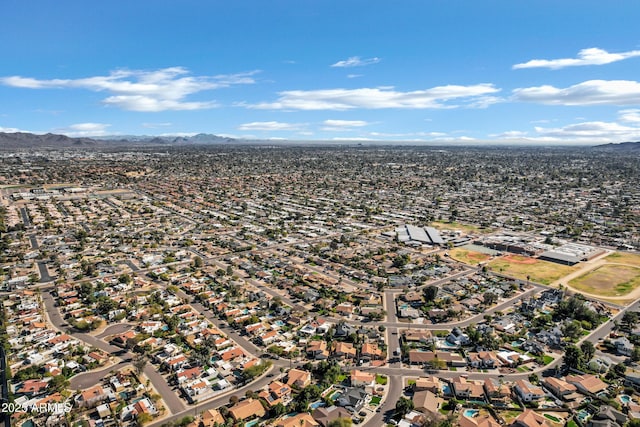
[572, 357]
[572, 330]
[619, 369]
[197, 262]
[404, 406]
[588, 350]
[430, 293]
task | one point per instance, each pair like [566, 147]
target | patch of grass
[572, 423]
[468, 257]
[539, 271]
[547, 359]
[624, 258]
[375, 400]
[453, 368]
[381, 379]
[341, 378]
[608, 280]
[552, 418]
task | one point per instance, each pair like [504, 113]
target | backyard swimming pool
[470, 413]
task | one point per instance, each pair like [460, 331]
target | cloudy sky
[465, 71]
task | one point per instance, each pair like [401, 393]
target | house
[587, 384]
[247, 409]
[92, 396]
[345, 309]
[298, 378]
[324, 416]
[498, 393]
[343, 330]
[231, 354]
[268, 337]
[483, 359]
[527, 391]
[560, 388]
[632, 379]
[303, 419]
[530, 418]
[432, 384]
[468, 390]
[623, 346]
[343, 350]
[317, 350]
[457, 337]
[188, 374]
[212, 417]
[418, 335]
[32, 387]
[176, 362]
[608, 417]
[353, 399]
[427, 403]
[277, 392]
[479, 421]
[362, 379]
[142, 406]
[370, 351]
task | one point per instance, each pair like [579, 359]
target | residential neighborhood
[137, 291]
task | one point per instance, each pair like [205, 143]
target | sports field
[538, 271]
[618, 275]
[467, 256]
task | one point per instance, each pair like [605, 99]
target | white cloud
[85, 130]
[509, 134]
[11, 130]
[590, 56]
[347, 138]
[138, 90]
[378, 98]
[592, 92]
[356, 61]
[342, 125]
[180, 134]
[270, 126]
[592, 131]
[156, 125]
[353, 76]
[630, 116]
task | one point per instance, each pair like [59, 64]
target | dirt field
[623, 258]
[609, 279]
[468, 257]
[539, 271]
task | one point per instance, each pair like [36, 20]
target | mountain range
[17, 140]
[49, 140]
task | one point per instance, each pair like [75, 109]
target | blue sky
[468, 71]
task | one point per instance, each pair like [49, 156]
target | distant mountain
[621, 146]
[50, 140]
[30, 140]
[201, 138]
